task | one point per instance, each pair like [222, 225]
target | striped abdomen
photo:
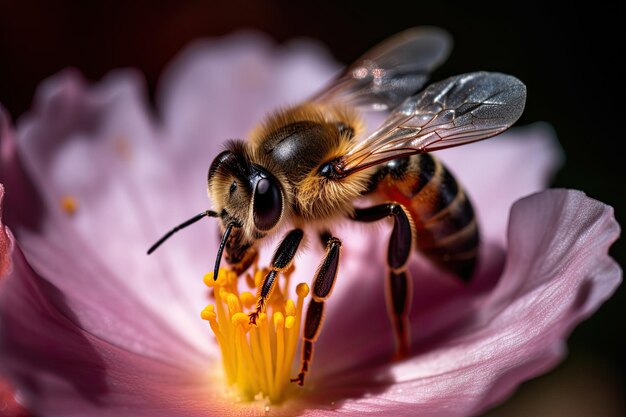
[446, 228]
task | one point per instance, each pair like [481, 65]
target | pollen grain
[69, 204]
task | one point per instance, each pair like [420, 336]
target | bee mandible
[306, 165]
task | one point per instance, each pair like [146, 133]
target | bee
[306, 165]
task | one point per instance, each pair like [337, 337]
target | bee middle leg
[280, 262]
[323, 284]
[399, 280]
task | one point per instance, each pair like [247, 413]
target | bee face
[249, 199]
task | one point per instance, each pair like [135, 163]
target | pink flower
[91, 326]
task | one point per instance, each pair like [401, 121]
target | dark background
[569, 58]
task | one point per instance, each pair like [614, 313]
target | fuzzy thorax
[319, 198]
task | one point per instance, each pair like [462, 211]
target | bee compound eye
[268, 204]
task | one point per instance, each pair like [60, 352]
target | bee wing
[391, 71]
[461, 109]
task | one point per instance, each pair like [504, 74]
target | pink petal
[63, 369]
[99, 145]
[558, 272]
[24, 203]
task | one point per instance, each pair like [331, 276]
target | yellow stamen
[247, 299]
[279, 325]
[257, 360]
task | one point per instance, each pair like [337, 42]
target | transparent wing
[391, 71]
[461, 109]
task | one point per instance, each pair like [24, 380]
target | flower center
[257, 359]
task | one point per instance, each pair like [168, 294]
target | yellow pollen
[290, 308]
[257, 360]
[248, 300]
[302, 290]
[69, 204]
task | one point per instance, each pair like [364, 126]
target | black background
[569, 57]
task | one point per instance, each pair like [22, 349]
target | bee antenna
[208, 213]
[221, 249]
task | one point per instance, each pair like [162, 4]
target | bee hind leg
[399, 280]
[280, 262]
[323, 284]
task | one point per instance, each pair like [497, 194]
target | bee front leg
[323, 284]
[280, 262]
[399, 280]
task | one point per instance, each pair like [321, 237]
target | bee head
[248, 198]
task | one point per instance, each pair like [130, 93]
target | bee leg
[322, 287]
[280, 262]
[399, 279]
